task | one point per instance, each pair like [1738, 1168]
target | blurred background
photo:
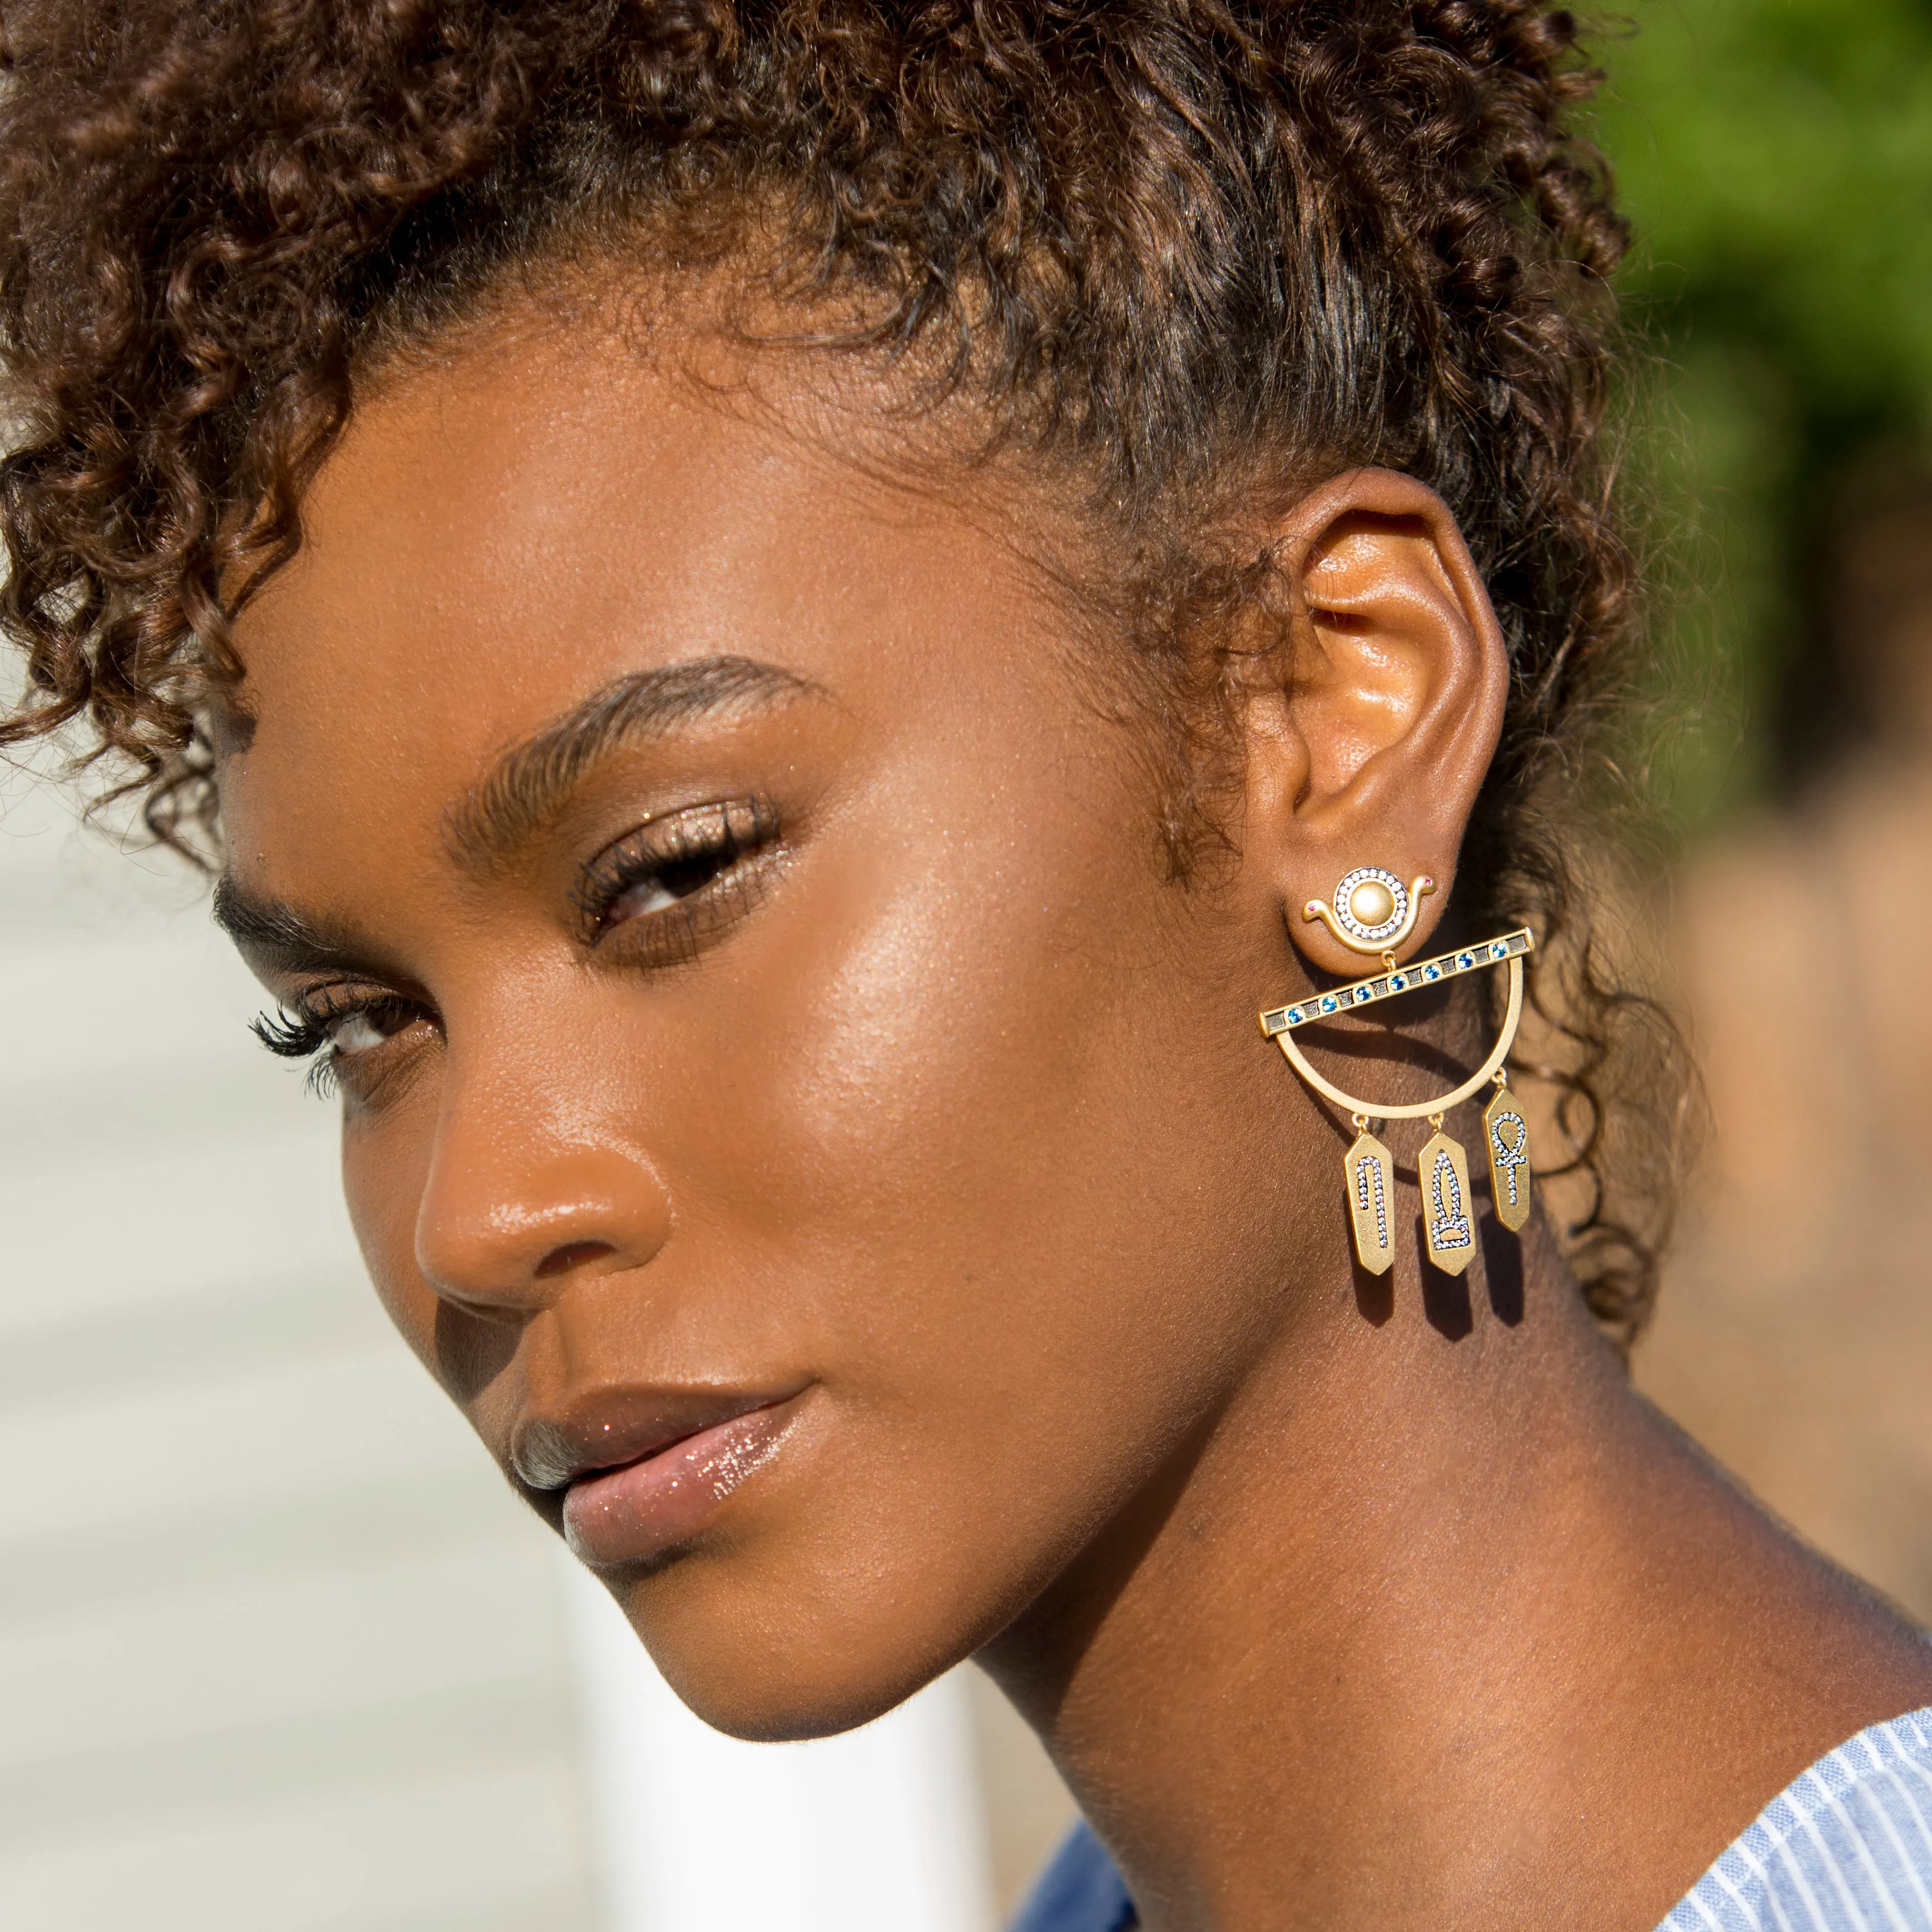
[1776, 157]
[277, 1652]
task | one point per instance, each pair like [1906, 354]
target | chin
[764, 1666]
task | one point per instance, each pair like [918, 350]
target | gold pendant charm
[1368, 1172]
[1446, 1223]
[1506, 1134]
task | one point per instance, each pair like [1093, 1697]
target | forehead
[548, 510]
[542, 508]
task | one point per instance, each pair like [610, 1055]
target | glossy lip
[642, 1472]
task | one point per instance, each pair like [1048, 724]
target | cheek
[383, 1174]
[977, 1151]
[969, 1158]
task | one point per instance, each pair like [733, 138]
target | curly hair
[1178, 245]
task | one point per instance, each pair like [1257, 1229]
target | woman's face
[785, 1104]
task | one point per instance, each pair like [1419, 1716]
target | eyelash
[301, 1031]
[701, 849]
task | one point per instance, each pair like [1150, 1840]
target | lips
[642, 1474]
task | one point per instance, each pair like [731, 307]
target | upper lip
[612, 1427]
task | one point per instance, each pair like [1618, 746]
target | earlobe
[1397, 687]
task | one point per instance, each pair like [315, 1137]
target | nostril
[572, 1254]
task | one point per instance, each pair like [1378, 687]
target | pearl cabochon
[1371, 903]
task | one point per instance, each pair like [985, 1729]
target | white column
[879, 1831]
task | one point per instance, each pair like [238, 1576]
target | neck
[1423, 1623]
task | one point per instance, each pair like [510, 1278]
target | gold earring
[1373, 912]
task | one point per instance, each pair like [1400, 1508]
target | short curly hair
[1169, 243]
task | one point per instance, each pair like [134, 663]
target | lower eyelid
[381, 1070]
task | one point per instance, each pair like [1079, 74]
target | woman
[772, 614]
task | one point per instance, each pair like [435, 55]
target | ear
[1372, 749]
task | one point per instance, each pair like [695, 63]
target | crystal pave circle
[1373, 911]
[1351, 921]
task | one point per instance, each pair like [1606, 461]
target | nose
[521, 1197]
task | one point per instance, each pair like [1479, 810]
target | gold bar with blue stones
[1411, 979]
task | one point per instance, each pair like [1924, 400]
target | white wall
[879, 1831]
[279, 1652]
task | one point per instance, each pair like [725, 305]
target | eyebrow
[526, 785]
[523, 789]
[269, 927]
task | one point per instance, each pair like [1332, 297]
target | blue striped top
[1847, 1848]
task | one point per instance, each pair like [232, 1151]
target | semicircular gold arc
[1418, 1110]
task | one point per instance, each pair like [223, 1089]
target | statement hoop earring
[1373, 912]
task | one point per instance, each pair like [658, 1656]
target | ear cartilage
[1368, 1168]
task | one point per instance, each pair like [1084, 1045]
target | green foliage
[1776, 157]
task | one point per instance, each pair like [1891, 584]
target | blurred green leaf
[1776, 157]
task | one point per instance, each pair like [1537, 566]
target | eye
[335, 1034]
[672, 881]
[367, 1026]
[672, 876]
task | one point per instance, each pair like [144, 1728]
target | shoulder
[1848, 1844]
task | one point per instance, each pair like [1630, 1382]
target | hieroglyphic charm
[1506, 1136]
[1447, 1225]
[1368, 1172]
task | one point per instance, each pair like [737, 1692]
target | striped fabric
[1848, 1848]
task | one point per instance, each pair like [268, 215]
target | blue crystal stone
[1397, 983]
[1466, 960]
[1500, 950]
[1432, 972]
[1328, 1003]
[1362, 996]
[1293, 1016]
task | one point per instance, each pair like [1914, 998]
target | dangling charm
[1443, 1170]
[1506, 1134]
[1373, 911]
[1369, 1169]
